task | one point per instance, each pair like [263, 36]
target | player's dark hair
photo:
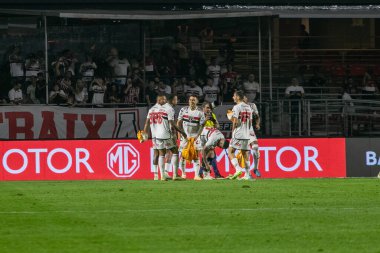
[170, 97]
[192, 95]
[240, 94]
[204, 104]
[226, 144]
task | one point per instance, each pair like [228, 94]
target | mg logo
[123, 160]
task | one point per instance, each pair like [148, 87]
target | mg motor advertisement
[129, 159]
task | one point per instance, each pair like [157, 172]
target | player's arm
[216, 122]
[234, 123]
[146, 125]
[205, 151]
[256, 119]
[179, 130]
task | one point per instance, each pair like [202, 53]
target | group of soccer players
[201, 126]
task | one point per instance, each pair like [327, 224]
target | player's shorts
[173, 142]
[240, 144]
[252, 139]
[183, 144]
[163, 143]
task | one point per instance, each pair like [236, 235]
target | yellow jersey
[210, 123]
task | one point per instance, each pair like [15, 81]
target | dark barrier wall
[363, 157]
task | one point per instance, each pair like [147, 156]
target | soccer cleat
[178, 178]
[155, 176]
[236, 175]
[197, 178]
[167, 175]
[257, 172]
[246, 178]
[183, 176]
[207, 176]
[219, 177]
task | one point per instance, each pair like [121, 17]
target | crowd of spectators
[106, 79]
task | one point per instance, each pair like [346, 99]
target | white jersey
[254, 112]
[192, 120]
[210, 137]
[251, 89]
[211, 93]
[243, 113]
[159, 118]
[194, 91]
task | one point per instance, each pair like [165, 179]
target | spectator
[179, 88]
[164, 88]
[41, 88]
[151, 93]
[112, 95]
[62, 64]
[80, 93]
[15, 94]
[57, 96]
[213, 70]
[32, 66]
[16, 64]
[211, 92]
[206, 36]
[87, 69]
[65, 84]
[251, 88]
[194, 90]
[295, 92]
[98, 87]
[31, 92]
[369, 90]
[132, 92]
[120, 65]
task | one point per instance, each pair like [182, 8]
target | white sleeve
[235, 112]
[171, 114]
[180, 115]
[202, 118]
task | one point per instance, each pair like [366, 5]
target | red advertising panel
[129, 159]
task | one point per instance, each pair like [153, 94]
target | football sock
[196, 168]
[182, 166]
[256, 157]
[167, 167]
[155, 171]
[161, 164]
[247, 167]
[175, 164]
[235, 163]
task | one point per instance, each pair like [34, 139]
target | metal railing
[320, 117]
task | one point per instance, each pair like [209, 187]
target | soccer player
[161, 121]
[191, 120]
[172, 154]
[253, 139]
[210, 139]
[241, 125]
[211, 122]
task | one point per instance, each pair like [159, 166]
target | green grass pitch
[287, 215]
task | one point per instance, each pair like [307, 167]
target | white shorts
[163, 144]
[183, 144]
[240, 144]
[252, 139]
